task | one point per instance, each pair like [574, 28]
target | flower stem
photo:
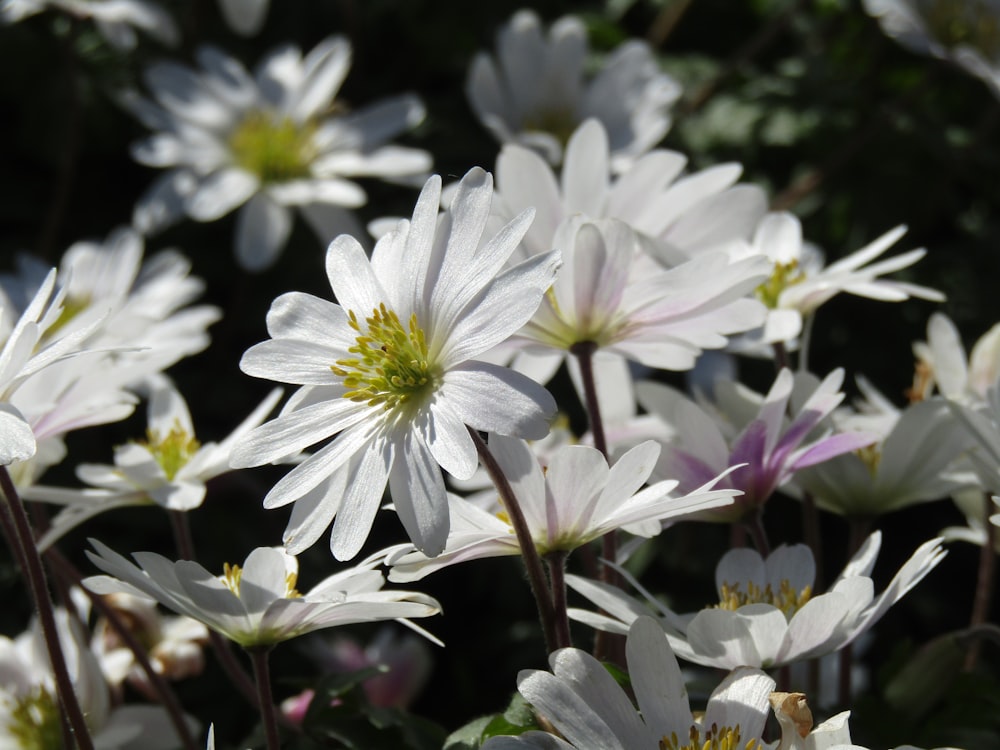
[262, 675]
[16, 521]
[754, 523]
[64, 569]
[984, 584]
[557, 576]
[529, 553]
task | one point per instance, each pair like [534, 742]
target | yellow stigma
[33, 722]
[871, 457]
[970, 23]
[557, 121]
[172, 450]
[274, 147]
[787, 599]
[783, 276]
[726, 738]
[391, 365]
[232, 577]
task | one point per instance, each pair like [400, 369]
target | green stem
[529, 553]
[984, 584]
[16, 521]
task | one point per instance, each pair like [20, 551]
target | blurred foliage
[841, 125]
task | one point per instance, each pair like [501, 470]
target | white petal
[262, 228]
[219, 193]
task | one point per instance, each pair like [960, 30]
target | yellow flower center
[715, 738]
[391, 366]
[172, 450]
[556, 121]
[787, 599]
[232, 577]
[273, 147]
[34, 723]
[783, 276]
[72, 306]
[871, 457]
[964, 22]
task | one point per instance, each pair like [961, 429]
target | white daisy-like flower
[257, 604]
[942, 361]
[767, 614]
[591, 711]
[391, 371]
[800, 282]
[117, 20]
[576, 499]
[266, 143]
[30, 714]
[963, 32]
[169, 468]
[534, 92]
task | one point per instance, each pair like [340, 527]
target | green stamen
[391, 365]
[783, 276]
[173, 450]
[714, 738]
[275, 148]
[787, 599]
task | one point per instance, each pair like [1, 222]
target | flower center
[275, 148]
[557, 121]
[173, 450]
[783, 276]
[72, 306]
[871, 457]
[34, 722]
[726, 738]
[964, 22]
[232, 577]
[787, 599]
[391, 365]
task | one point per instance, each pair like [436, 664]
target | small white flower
[590, 710]
[768, 614]
[265, 144]
[534, 94]
[578, 498]
[257, 604]
[942, 361]
[391, 371]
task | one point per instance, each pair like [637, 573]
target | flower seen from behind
[257, 603]
[391, 371]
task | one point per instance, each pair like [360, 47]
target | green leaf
[468, 737]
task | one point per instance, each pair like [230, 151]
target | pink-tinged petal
[490, 398]
[351, 277]
[365, 484]
[834, 445]
[290, 433]
[689, 470]
[418, 492]
[219, 193]
[321, 465]
[262, 229]
[657, 680]
[585, 170]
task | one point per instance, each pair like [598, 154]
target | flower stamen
[783, 276]
[714, 738]
[787, 599]
[275, 148]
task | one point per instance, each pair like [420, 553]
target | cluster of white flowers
[596, 252]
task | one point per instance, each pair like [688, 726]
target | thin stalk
[781, 360]
[532, 562]
[182, 534]
[754, 524]
[265, 699]
[812, 536]
[557, 576]
[983, 598]
[666, 21]
[35, 574]
[65, 570]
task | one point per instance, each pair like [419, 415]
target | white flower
[797, 730]
[169, 468]
[391, 370]
[767, 614]
[942, 361]
[266, 143]
[800, 283]
[576, 499]
[591, 711]
[534, 92]
[30, 714]
[966, 32]
[256, 604]
[117, 20]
